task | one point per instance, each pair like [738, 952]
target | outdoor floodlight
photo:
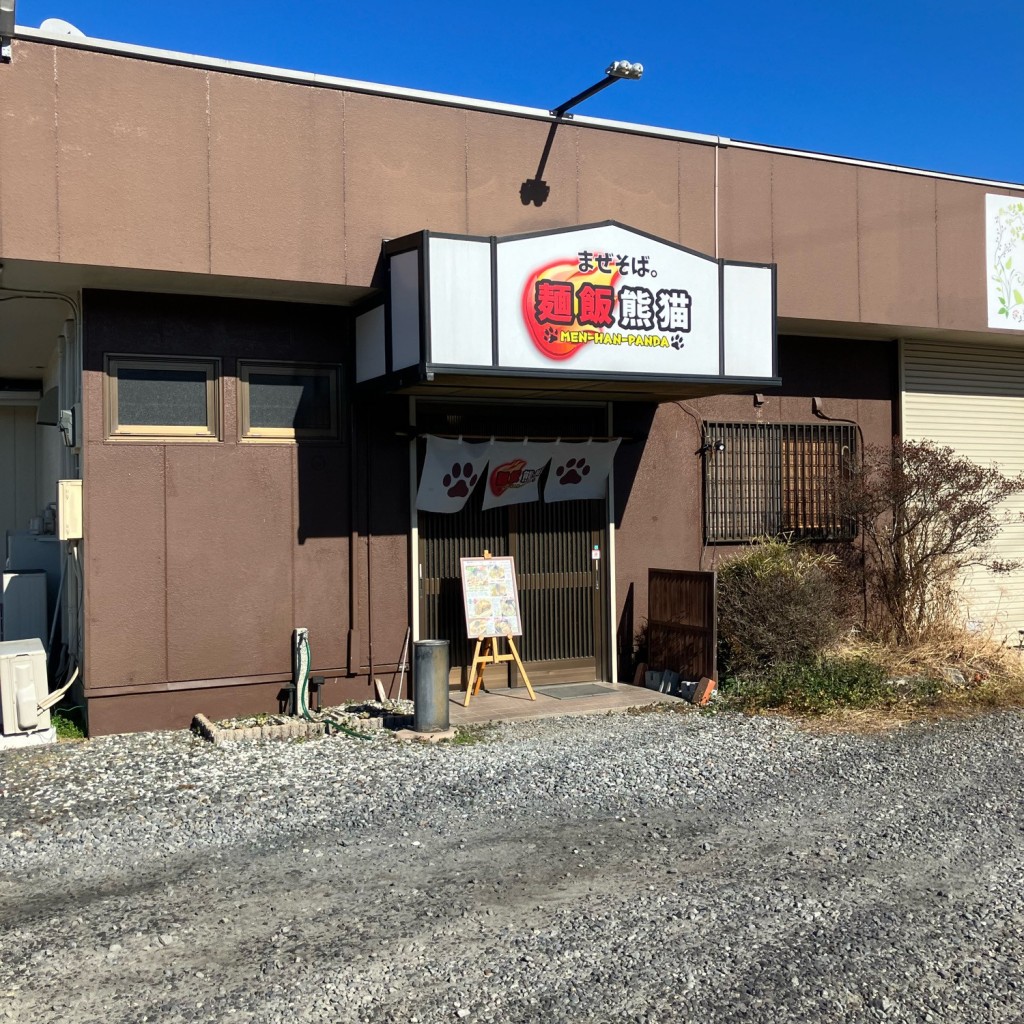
[623, 69]
[536, 190]
[615, 71]
[711, 448]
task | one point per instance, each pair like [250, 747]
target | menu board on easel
[491, 597]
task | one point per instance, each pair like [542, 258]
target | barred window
[767, 479]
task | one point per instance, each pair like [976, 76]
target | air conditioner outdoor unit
[23, 684]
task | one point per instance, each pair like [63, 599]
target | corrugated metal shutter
[971, 397]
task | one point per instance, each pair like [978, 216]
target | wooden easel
[486, 653]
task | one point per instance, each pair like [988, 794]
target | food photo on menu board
[491, 597]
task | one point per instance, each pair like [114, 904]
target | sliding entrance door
[562, 587]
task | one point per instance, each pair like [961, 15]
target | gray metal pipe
[430, 685]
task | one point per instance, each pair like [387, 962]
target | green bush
[779, 603]
[817, 687]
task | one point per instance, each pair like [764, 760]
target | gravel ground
[656, 867]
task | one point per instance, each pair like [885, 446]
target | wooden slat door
[561, 586]
[563, 591]
[444, 539]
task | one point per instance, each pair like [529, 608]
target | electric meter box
[23, 684]
[69, 509]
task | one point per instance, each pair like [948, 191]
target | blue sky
[936, 85]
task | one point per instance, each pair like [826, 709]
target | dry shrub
[926, 514]
[779, 603]
[976, 670]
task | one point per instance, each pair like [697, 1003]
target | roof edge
[445, 99]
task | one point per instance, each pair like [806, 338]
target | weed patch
[470, 735]
[869, 685]
[816, 687]
[68, 723]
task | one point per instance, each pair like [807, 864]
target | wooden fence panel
[682, 630]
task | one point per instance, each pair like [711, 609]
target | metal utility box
[69, 509]
[23, 684]
[24, 606]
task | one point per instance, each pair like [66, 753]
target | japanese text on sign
[592, 305]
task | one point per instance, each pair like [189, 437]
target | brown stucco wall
[137, 164]
[202, 557]
[658, 496]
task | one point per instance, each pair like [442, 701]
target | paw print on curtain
[452, 468]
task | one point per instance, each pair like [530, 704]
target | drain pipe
[354, 646]
[369, 564]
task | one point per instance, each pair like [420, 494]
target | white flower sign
[1004, 243]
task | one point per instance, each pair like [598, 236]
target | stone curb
[410, 735]
[214, 734]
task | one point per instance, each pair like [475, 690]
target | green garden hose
[302, 663]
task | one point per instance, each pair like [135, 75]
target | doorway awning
[601, 311]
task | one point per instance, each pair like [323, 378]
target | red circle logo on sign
[553, 306]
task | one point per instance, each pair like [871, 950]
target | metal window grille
[776, 478]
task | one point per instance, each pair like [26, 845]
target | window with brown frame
[768, 479]
[162, 398]
[288, 401]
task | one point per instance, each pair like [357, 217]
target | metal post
[430, 685]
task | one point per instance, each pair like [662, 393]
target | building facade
[257, 294]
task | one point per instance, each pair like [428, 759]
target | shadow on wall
[633, 422]
[536, 190]
[365, 486]
[863, 370]
[624, 637]
[364, 482]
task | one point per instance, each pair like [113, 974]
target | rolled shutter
[971, 397]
